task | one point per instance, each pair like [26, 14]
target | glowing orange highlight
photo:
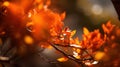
[62, 59]
[6, 3]
[28, 40]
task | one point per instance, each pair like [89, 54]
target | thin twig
[68, 56]
[77, 48]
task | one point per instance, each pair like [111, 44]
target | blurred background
[86, 13]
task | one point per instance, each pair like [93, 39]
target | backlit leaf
[62, 59]
[99, 55]
[73, 33]
[85, 31]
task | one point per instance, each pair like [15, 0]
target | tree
[27, 28]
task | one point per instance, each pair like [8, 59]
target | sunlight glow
[97, 9]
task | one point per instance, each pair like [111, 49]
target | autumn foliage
[38, 25]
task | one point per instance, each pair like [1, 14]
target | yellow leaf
[77, 57]
[99, 55]
[73, 33]
[76, 54]
[85, 31]
[62, 59]
[78, 50]
[6, 3]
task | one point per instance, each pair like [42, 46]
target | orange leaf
[63, 15]
[28, 40]
[99, 55]
[77, 41]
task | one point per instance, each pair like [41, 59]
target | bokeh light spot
[97, 9]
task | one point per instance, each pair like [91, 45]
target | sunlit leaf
[6, 3]
[40, 6]
[107, 28]
[77, 41]
[99, 55]
[76, 55]
[73, 33]
[63, 15]
[62, 59]
[78, 50]
[109, 24]
[85, 31]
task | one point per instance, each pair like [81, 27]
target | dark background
[86, 13]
